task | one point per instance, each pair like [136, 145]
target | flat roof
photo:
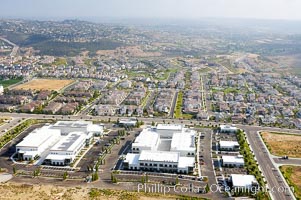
[147, 138]
[170, 126]
[242, 180]
[228, 143]
[233, 159]
[183, 141]
[128, 120]
[72, 124]
[69, 142]
[228, 127]
[185, 162]
[132, 158]
[39, 136]
[94, 128]
[159, 156]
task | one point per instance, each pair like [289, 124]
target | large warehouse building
[65, 151]
[165, 148]
[37, 142]
[59, 143]
[159, 161]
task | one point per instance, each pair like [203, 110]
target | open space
[281, 144]
[6, 83]
[292, 175]
[44, 84]
[26, 191]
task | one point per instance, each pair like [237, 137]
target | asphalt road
[270, 171]
[12, 123]
[290, 161]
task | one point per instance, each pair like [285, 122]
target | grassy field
[44, 84]
[60, 61]
[281, 144]
[6, 83]
[292, 175]
[178, 108]
[41, 192]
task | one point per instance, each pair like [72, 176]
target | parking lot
[8, 150]
[222, 173]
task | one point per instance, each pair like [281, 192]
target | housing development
[199, 112]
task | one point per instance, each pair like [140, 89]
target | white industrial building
[59, 143]
[243, 181]
[128, 121]
[228, 129]
[167, 130]
[148, 139]
[184, 143]
[228, 145]
[39, 140]
[87, 127]
[159, 161]
[233, 161]
[165, 148]
[65, 151]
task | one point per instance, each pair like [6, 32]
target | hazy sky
[184, 9]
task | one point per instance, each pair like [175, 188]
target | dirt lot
[44, 84]
[293, 174]
[48, 192]
[283, 144]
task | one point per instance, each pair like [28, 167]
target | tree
[177, 180]
[14, 170]
[65, 175]
[153, 123]
[113, 178]
[207, 189]
[142, 179]
[95, 176]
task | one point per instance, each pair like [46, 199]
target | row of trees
[250, 164]
[11, 134]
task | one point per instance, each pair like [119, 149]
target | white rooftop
[183, 141]
[228, 127]
[185, 162]
[242, 180]
[128, 120]
[132, 158]
[170, 127]
[39, 136]
[94, 128]
[147, 138]
[72, 124]
[159, 156]
[69, 142]
[228, 143]
[233, 159]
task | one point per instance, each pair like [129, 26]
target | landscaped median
[11, 134]
[251, 165]
[292, 175]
